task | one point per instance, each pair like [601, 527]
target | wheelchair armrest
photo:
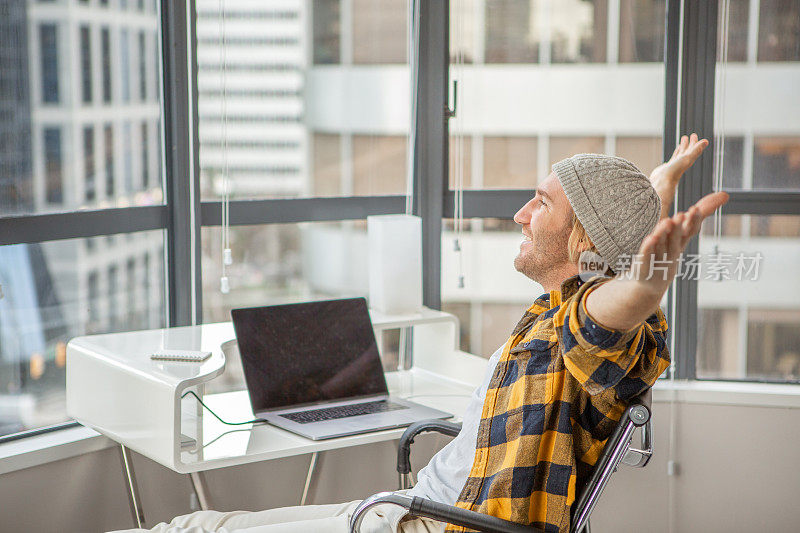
[441, 512]
[404, 449]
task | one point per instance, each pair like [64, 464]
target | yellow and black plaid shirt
[558, 390]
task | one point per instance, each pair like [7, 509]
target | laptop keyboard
[343, 411]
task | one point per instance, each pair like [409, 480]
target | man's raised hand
[665, 177]
[660, 251]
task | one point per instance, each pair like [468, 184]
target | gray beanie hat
[613, 200]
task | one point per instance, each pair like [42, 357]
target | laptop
[314, 369]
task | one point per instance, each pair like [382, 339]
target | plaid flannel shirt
[561, 385]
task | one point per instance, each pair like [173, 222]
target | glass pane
[578, 32]
[641, 31]
[282, 263]
[510, 162]
[68, 73]
[779, 30]
[749, 315]
[57, 290]
[513, 31]
[283, 111]
[542, 80]
[757, 110]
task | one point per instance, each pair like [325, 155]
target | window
[290, 129]
[53, 170]
[510, 162]
[776, 162]
[512, 36]
[579, 31]
[125, 65]
[779, 30]
[63, 163]
[641, 31]
[145, 158]
[54, 291]
[105, 45]
[282, 263]
[535, 93]
[86, 65]
[327, 165]
[48, 44]
[127, 157]
[380, 31]
[131, 303]
[108, 141]
[88, 164]
[748, 327]
[327, 31]
[142, 67]
[113, 302]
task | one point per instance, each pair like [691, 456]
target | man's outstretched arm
[624, 303]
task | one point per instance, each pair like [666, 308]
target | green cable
[254, 421]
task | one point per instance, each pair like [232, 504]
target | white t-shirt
[445, 475]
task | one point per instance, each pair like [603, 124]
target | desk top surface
[223, 445]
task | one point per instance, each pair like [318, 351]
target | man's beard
[549, 251]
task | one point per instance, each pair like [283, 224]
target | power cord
[254, 421]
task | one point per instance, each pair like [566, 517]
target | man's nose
[523, 216]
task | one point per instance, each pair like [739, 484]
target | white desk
[115, 388]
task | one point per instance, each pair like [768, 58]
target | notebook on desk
[314, 369]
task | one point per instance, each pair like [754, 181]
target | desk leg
[133, 489]
[200, 490]
[312, 477]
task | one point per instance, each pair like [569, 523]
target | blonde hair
[579, 240]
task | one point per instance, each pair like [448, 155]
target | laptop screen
[308, 352]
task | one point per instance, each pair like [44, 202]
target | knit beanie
[613, 200]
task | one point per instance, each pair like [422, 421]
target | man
[552, 394]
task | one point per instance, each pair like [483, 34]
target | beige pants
[306, 519]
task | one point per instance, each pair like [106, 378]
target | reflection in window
[512, 31]
[779, 30]
[776, 163]
[48, 44]
[578, 31]
[380, 32]
[327, 31]
[53, 171]
[510, 163]
[641, 31]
